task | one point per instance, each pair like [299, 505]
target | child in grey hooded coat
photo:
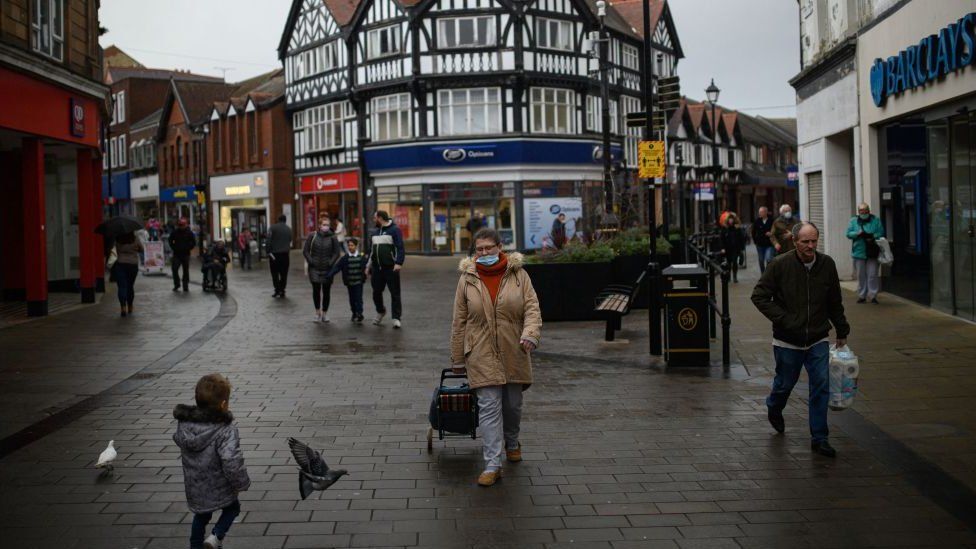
[213, 464]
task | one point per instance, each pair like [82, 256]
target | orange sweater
[492, 276]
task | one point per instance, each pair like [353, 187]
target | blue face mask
[864, 216]
[488, 260]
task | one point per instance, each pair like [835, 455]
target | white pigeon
[107, 456]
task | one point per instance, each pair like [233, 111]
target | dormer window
[553, 34]
[383, 42]
[466, 32]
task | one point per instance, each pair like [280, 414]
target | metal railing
[700, 245]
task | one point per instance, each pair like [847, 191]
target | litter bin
[686, 341]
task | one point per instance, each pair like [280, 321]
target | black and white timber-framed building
[444, 111]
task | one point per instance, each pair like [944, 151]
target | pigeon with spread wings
[315, 473]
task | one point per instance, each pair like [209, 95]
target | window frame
[120, 107]
[560, 24]
[491, 108]
[324, 124]
[373, 42]
[490, 31]
[569, 106]
[123, 151]
[630, 57]
[41, 29]
[382, 108]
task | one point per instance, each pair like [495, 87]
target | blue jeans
[356, 298]
[200, 521]
[125, 278]
[766, 254]
[789, 362]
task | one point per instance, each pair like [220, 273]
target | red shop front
[336, 194]
[51, 167]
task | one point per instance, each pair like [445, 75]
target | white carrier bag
[843, 372]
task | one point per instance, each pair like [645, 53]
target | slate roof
[116, 74]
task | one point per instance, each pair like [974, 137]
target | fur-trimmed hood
[198, 426]
[515, 262]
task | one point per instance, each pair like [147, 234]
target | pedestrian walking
[279, 245]
[864, 230]
[321, 251]
[733, 244]
[182, 242]
[213, 465]
[340, 232]
[782, 233]
[497, 324]
[126, 269]
[386, 257]
[762, 229]
[353, 268]
[800, 294]
[244, 248]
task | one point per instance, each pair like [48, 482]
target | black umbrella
[119, 225]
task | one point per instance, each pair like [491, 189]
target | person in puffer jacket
[213, 464]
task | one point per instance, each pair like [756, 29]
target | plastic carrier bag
[843, 372]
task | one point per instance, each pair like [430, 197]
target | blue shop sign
[934, 57]
[178, 194]
[519, 151]
[120, 186]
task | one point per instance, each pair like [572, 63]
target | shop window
[391, 117]
[553, 110]
[553, 34]
[466, 32]
[323, 128]
[383, 42]
[469, 111]
[47, 28]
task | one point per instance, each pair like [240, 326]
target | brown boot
[488, 478]
[514, 456]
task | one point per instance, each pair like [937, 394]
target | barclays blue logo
[934, 57]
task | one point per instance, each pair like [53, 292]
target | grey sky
[750, 47]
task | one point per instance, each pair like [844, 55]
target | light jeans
[499, 417]
[868, 284]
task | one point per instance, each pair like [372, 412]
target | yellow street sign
[650, 159]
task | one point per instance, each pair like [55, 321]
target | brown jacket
[486, 338]
[781, 234]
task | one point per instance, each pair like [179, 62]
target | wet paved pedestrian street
[617, 452]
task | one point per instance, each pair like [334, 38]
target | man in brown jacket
[782, 233]
[497, 324]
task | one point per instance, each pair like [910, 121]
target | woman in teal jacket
[864, 230]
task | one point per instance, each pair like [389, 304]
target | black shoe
[875, 301]
[824, 448]
[276, 294]
[176, 289]
[776, 420]
[861, 300]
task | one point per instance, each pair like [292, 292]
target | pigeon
[107, 456]
[315, 473]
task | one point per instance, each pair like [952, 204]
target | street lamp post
[711, 92]
[609, 212]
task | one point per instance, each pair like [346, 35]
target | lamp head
[601, 8]
[711, 92]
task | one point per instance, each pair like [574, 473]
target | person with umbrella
[124, 258]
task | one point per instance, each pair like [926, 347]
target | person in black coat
[182, 242]
[733, 243]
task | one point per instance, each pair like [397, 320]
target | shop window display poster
[539, 215]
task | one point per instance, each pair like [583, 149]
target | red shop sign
[330, 182]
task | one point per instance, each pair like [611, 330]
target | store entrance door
[962, 132]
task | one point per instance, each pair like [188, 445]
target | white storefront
[144, 192]
[240, 201]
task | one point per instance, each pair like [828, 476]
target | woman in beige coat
[496, 327]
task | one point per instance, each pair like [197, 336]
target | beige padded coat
[486, 338]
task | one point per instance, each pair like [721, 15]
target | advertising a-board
[545, 216]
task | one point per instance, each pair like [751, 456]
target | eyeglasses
[485, 249]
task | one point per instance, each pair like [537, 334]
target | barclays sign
[934, 57]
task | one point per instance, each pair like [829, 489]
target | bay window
[391, 117]
[322, 126]
[383, 42]
[553, 110]
[469, 111]
[466, 32]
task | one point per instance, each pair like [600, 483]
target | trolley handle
[448, 373]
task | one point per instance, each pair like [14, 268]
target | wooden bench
[615, 301]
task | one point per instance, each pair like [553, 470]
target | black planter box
[567, 291]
